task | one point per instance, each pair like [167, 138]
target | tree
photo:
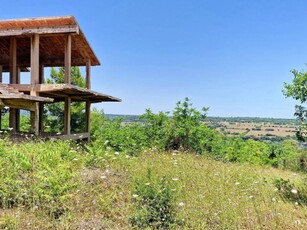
[298, 91]
[54, 113]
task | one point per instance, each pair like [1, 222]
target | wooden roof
[60, 91]
[53, 32]
[11, 97]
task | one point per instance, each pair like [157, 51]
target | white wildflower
[298, 222]
[237, 183]
[135, 195]
[181, 204]
[294, 191]
[103, 177]
[116, 153]
[175, 179]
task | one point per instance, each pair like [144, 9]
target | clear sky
[230, 55]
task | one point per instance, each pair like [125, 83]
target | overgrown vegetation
[60, 185]
[168, 171]
[184, 130]
[154, 200]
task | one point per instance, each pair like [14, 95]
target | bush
[289, 192]
[184, 129]
[156, 129]
[31, 176]
[118, 135]
[154, 201]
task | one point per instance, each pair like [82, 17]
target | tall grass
[59, 185]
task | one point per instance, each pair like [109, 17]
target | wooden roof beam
[40, 30]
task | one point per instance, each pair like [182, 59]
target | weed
[154, 200]
[289, 192]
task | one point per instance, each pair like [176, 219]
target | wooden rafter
[40, 30]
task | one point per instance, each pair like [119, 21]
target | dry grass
[213, 195]
[265, 128]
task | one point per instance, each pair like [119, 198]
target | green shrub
[38, 174]
[289, 192]
[154, 200]
[184, 129]
[156, 129]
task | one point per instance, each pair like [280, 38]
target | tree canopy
[297, 89]
[54, 113]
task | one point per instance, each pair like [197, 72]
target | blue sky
[232, 56]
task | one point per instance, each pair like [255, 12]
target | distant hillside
[279, 121]
[127, 118]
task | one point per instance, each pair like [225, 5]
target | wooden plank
[13, 79]
[41, 74]
[1, 69]
[25, 97]
[73, 136]
[13, 61]
[62, 90]
[67, 114]
[34, 117]
[39, 30]
[17, 117]
[87, 116]
[76, 61]
[12, 120]
[23, 87]
[41, 120]
[68, 59]
[27, 105]
[18, 75]
[35, 59]
[88, 74]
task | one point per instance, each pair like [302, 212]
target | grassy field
[257, 129]
[57, 185]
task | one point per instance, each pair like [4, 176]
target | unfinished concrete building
[30, 45]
